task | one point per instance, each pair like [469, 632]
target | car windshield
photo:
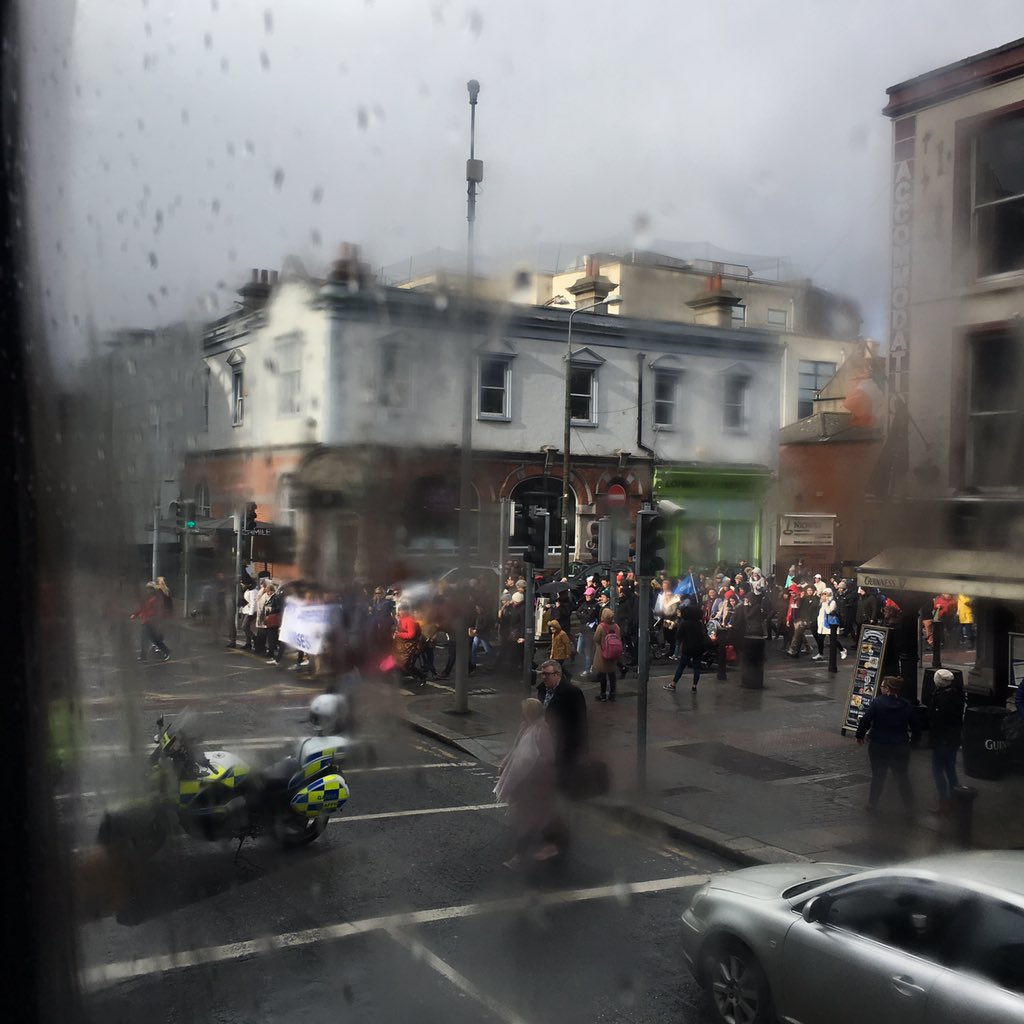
[811, 883]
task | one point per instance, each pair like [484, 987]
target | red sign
[616, 495]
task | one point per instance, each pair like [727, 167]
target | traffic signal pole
[156, 542]
[529, 632]
[643, 671]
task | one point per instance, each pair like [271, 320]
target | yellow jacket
[964, 612]
[561, 645]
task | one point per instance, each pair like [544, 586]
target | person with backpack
[607, 654]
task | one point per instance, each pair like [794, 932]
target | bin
[928, 683]
[752, 662]
[986, 748]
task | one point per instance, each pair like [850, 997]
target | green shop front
[722, 518]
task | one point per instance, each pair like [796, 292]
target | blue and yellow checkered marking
[313, 766]
[189, 789]
[320, 797]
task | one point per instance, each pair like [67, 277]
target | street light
[566, 440]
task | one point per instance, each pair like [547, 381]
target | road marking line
[411, 814]
[105, 975]
[459, 981]
[90, 794]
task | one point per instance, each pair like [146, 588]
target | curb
[741, 849]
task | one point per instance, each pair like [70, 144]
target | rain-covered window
[814, 375]
[998, 201]
[665, 390]
[495, 387]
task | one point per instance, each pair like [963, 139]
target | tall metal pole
[529, 631]
[643, 671]
[156, 542]
[474, 174]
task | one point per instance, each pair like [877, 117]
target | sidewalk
[756, 775]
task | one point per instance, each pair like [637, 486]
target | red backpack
[611, 643]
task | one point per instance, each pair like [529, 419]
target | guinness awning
[992, 574]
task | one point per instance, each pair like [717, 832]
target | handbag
[831, 619]
[588, 780]
[272, 620]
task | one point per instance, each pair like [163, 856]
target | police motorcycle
[215, 795]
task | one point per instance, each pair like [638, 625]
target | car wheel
[737, 986]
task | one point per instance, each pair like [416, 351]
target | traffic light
[250, 516]
[649, 542]
[178, 511]
[536, 537]
[190, 515]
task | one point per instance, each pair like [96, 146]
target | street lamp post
[474, 175]
[567, 425]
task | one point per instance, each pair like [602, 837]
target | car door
[985, 980]
[871, 953]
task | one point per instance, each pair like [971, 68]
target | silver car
[929, 941]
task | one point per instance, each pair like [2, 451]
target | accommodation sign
[900, 238]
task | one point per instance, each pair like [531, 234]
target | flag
[686, 586]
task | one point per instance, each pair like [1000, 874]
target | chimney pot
[255, 275]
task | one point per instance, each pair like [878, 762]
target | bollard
[720, 638]
[833, 649]
[963, 813]
[752, 662]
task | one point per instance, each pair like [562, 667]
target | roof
[828, 427]
[963, 76]
[993, 574]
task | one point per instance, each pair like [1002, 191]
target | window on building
[495, 388]
[394, 388]
[207, 375]
[997, 196]
[666, 387]
[287, 514]
[734, 408]
[237, 396]
[739, 316]
[289, 376]
[583, 395]
[814, 375]
[995, 430]
[203, 499]
[778, 318]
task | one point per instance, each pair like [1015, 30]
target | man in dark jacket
[804, 618]
[945, 723]
[566, 712]
[867, 608]
[889, 725]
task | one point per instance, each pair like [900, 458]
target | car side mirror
[815, 909]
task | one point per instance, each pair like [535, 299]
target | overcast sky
[195, 140]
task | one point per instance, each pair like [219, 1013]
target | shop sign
[807, 531]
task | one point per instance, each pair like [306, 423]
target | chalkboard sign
[867, 671]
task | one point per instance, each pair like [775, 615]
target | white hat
[518, 598]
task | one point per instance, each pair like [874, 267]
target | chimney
[256, 290]
[348, 270]
[592, 287]
[713, 308]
